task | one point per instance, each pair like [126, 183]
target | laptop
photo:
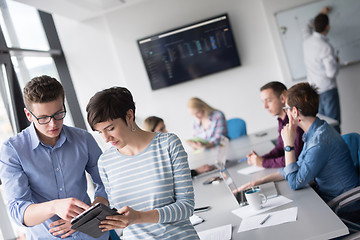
[220, 158]
[269, 189]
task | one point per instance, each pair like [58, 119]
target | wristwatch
[288, 148]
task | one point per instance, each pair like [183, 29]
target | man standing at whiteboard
[322, 64]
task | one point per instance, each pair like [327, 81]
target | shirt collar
[319, 35]
[312, 129]
[35, 141]
[285, 120]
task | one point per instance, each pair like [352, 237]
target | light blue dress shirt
[325, 158]
[33, 172]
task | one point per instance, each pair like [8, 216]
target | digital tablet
[89, 220]
[197, 139]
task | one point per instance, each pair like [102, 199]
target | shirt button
[300, 180]
[60, 189]
[57, 169]
[74, 236]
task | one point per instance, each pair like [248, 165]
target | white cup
[255, 199]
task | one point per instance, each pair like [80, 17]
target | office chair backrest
[114, 235]
[236, 128]
[353, 142]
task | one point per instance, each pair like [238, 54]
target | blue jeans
[330, 105]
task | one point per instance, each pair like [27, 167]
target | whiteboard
[344, 34]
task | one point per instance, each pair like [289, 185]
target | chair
[353, 142]
[113, 235]
[355, 236]
[236, 128]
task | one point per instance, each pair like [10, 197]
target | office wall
[90, 55]
[347, 80]
[234, 91]
[103, 52]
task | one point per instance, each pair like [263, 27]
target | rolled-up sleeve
[309, 165]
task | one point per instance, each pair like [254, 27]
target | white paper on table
[276, 218]
[219, 233]
[250, 170]
[247, 211]
[195, 219]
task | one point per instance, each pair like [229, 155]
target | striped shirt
[157, 178]
[215, 130]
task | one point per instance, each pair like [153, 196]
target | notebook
[269, 189]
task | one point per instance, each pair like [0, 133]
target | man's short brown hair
[320, 22]
[304, 97]
[42, 89]
[277, 87]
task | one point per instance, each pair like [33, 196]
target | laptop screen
[239, 196]
[269, 188]
[228, 180]
[221, 158]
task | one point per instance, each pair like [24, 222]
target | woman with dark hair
[324, 158]
[145, 174]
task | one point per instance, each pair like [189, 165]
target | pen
[202, 209]
[265, 219]
[243, 159]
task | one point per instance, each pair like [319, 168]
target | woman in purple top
[209, 124]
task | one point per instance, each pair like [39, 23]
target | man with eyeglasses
[273, 95]
[43, 167]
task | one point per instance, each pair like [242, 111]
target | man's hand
[288, 133]
[245, 186]
[254, 159]
[69, 208]
[326, 10]
[204, 168]
[61, 227]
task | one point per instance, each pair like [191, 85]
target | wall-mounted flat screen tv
[189, 52]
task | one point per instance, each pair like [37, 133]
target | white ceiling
[79, 9]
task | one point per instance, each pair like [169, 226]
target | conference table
[315, 220]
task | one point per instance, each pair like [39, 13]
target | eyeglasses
[46, 119]
[286, 108]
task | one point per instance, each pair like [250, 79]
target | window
[29, 47]
[29, 40]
